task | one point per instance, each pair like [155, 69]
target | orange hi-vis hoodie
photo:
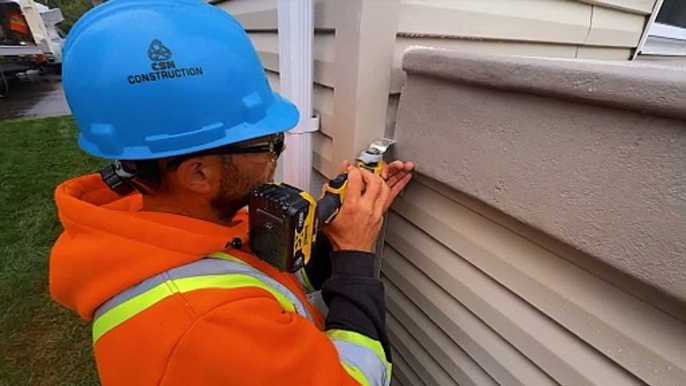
[172, 304]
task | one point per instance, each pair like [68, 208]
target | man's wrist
[353, 263]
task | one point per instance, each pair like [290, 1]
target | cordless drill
[284, 220]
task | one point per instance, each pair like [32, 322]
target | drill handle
[329, 205]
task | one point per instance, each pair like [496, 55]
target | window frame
[662, 39]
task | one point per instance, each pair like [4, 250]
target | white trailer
[40, 47]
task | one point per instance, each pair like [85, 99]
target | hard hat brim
[281, 116]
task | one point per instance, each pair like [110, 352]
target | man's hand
[359, 222]
[397, 175]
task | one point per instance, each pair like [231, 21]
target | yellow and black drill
[284, 220]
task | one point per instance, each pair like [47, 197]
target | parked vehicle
[30, 41]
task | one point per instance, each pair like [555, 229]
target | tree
[71, 9]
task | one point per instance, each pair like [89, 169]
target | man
[166, 272]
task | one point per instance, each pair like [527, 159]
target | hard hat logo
[160, 55]
[158, 52]
[163, 67]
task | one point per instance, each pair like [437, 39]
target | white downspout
[296, 36]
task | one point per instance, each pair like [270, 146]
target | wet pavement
[33, 100]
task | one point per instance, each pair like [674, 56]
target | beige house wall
[377, 32]
[496, 272]
[543, 242]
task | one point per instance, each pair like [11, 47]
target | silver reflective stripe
[204, 267]
[131, 293]
[364, 359]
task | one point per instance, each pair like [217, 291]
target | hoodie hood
[109, 244]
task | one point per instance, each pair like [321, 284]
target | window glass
[673, 12]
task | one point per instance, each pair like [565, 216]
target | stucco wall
[593, 154]
[542, 242]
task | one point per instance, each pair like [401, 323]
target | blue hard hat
[149, 79]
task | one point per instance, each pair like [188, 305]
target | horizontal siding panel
[499, 358]
[633, 334]
[262, 15]
[324, 15]
[324, 51]
[614, 28]
[403, 373]
[253, 14]
[322, 145]
[322, 100]
[274, 80]
[267, 46]
[643, 291]
[641, 7]
[456, 363]
[565, 358]
[524, 20]
[417, 358]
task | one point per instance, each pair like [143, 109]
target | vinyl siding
[473, 302]
[604, 30]
[259, 18]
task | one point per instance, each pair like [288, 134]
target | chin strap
[122, 177]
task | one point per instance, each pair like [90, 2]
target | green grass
[41, 343]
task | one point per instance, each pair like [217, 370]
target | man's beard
[234, 190]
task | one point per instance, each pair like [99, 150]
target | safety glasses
[274, 147]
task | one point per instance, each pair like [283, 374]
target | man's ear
[199, 175]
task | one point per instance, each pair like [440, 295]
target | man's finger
[400, 185]
[396, 189]
[398, 171]
[355, 184]
[391, 168]
[344, 167]
[394, 167]
[394, 178]
[380, 206]
[373, 187]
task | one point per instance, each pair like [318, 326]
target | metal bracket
[382, 145]
[308, 126]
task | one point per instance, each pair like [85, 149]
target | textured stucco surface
[591, 153]
[641, 87]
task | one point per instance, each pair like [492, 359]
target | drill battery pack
[283, 224]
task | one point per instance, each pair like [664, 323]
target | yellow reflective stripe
[128, 309]
[224, 256]
[306, 281]
[230, 281]
[132, 307]
[357, 338]
[354, 337]
[357, 375]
